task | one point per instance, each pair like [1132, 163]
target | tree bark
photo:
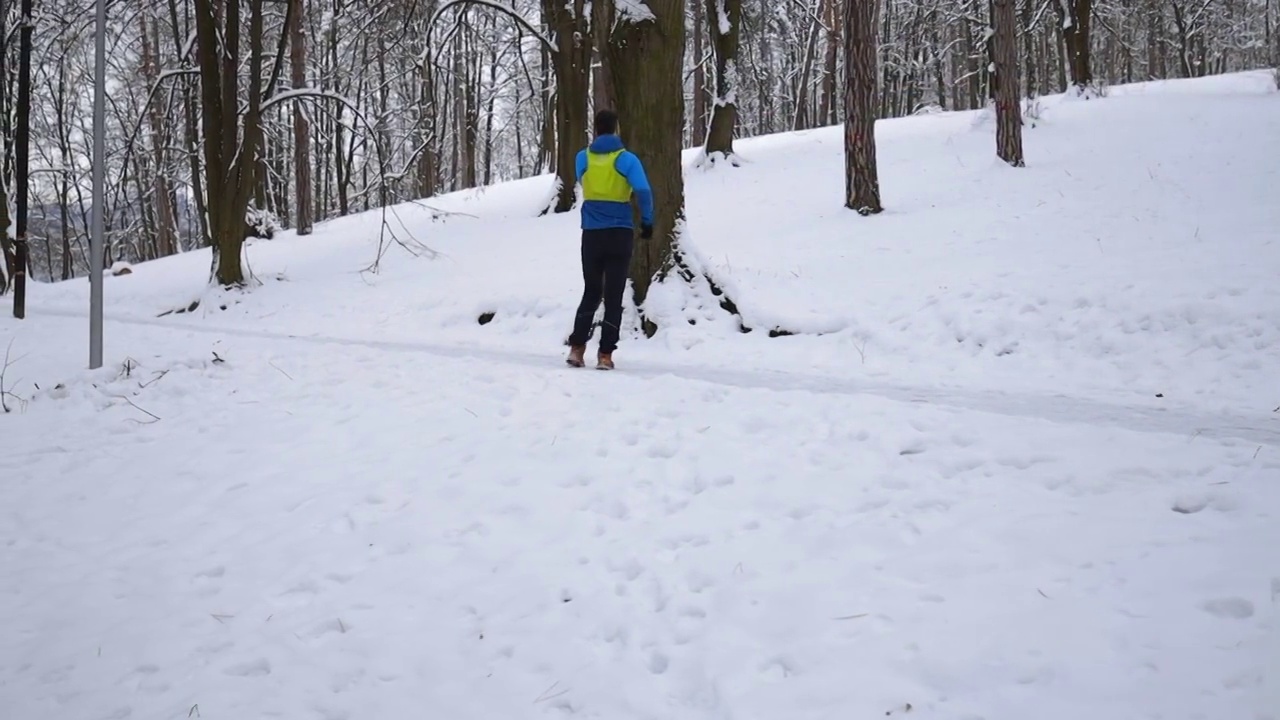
[830, 18]
[862, 183]
[725, 19]
[701, 115]
[22, 151]
[231, 143]
[6, 243]
[1004, 45]
[166, 231]
[428, 160]
[302, 191]
[1074, 19]
[646, 55]
[602, 94]
[569, 23]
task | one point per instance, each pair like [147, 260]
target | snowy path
[325, 528]
[1160, 416]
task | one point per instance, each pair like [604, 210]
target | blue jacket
[601, 214]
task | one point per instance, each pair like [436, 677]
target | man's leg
[616, 263]
[593, 269]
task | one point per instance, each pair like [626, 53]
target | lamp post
[96, 238]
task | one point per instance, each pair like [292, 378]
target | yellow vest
[602, 181]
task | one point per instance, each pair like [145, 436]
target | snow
[1029, 468]
[634, 11]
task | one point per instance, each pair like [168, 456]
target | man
[610, 175]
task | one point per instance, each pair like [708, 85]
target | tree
[1004, 50]
[231, 140]
[22, 261]
[725, 20]
[862, 182]
[570, 24]
[6, 244]
[301, 125]
[1074, 16]
[646, 53]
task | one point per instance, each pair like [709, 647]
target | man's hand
[646, 231]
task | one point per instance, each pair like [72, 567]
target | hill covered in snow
[1009, 450]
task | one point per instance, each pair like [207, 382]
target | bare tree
[572, 37]
[301, 124]
[1008, 111]
[862, 182]
[725, 19]
[1075, 17]
[23, 141]
[231, 140]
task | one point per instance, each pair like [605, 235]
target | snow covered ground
[1030, 468]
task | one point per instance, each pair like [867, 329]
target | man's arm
[631, 168]
[581, 164]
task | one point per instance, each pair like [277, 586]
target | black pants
[606, 257]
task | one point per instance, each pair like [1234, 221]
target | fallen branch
[155, 418]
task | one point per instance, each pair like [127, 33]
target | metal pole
[97, 238]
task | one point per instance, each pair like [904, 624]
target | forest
[227, 119]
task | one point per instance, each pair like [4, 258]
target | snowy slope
[1134, 256]
[341, 497]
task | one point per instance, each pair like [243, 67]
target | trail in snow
[1186, 421]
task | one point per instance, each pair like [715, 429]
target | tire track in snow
[1064, 409]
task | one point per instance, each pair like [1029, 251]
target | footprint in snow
[1190, 504]
[253, 668]
[1231, 608]
[212, 573]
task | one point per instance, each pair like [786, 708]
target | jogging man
[609, 175]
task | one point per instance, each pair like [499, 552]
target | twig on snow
[155, 418]
[282, 372]
[862, 351]
[852, 617]
[4, 392]
[159, 376]
[545, 696]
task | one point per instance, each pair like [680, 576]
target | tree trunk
[22, 262]
[301, 124]
[428, 141]
[6, 244]
[646, 55]
[231, 144]
[603, 96]
[701, 116]
[568, 20]
[1028, 48]
[830, 18]
[547, 145]
[1074, 18]
[1004, 45]
[166, 231]
[862, 183]
[725, 18]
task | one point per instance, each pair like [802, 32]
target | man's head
[606, 123]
